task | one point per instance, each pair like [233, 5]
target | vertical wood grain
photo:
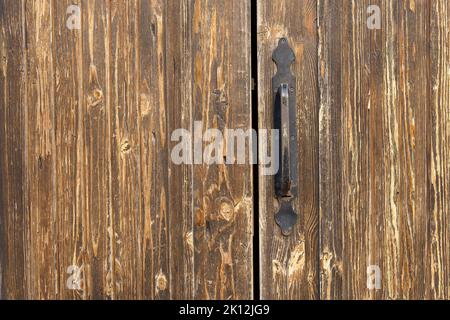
[126, 150]
[40, 149]
[153, 95]
[414, 123]
[289, 265]
[68, 66]
[222, 205]
[330, 148]
[179, 80]
[374, 151]
[344, 127]
[439, 193]
[87, 180]
[86, 118]
[376, 146]
[98, 230]
[13, 220]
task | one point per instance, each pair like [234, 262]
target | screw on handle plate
[284, 91]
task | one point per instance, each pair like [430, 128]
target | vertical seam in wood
[139, 127]
[167, 150]
[27, 231]
[80, 194]
[317, 142]
[111, 233]
[53, 148]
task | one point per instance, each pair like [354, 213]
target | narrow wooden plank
[68, 69]
[376, 147]
[179, 92]
[355, 113]
[153, 109]
[13, 220]
[439, 193]
[379, 187]
[391, 150]
[289, 265]
[99, 233]
[222, 193]
[126, 181]
[40, 150]
[413, 120]
[330, 148]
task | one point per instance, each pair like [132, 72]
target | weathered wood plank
[439, 163]
[376, 146]
[13, 220]
[40, 150]
[98, 228]
[289, 265]
[344, 59]
[330, 147]
[355, 113]
[222, 193]
[374, 107]
[154, 146]
[179, 91]
[126, 182]
[391, 171]
[414, 123]
[68, 109]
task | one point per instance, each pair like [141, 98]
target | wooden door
[94, 93]
[373, 148]
[87, 186]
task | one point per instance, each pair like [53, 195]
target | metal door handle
[284, 90]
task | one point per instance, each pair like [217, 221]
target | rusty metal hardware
[284, 93]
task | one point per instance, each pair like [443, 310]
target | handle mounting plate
[284, 90]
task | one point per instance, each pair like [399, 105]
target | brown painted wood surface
[86, 177]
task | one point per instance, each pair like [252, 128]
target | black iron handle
[284, 90]
[285, 180]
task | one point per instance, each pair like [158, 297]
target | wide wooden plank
[374, 152]
[289, 265]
